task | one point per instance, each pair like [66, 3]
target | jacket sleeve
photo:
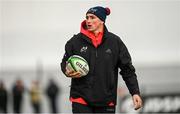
[68, 53]
[127, 69]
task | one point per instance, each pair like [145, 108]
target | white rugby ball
[78, 63]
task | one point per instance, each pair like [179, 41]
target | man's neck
[99, 30]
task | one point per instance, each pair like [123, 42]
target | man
[3, 98]
[18, 92]
[52, 92]
[35, 95]
[105, 52]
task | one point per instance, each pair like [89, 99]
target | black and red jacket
[99, 86]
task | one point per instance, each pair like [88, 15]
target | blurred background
[33, 34]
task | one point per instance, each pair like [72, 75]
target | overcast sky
[37, 30]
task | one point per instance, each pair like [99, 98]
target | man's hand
[72, 73]
[137, 101]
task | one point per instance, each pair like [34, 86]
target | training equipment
[78, 63]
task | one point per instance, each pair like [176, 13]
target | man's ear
[102, 22]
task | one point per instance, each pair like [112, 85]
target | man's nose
[88, 20]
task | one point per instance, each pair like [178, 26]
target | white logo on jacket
[108, 51]
[83, 49]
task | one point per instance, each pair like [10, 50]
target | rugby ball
[79, 64]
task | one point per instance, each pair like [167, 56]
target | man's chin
[91, 30]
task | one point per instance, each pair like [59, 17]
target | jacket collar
[85, 32]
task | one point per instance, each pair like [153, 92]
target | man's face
[93, 22]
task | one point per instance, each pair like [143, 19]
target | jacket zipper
[96, 49]
[96, 53]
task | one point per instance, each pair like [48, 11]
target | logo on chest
[83, 49]
[108, 51]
